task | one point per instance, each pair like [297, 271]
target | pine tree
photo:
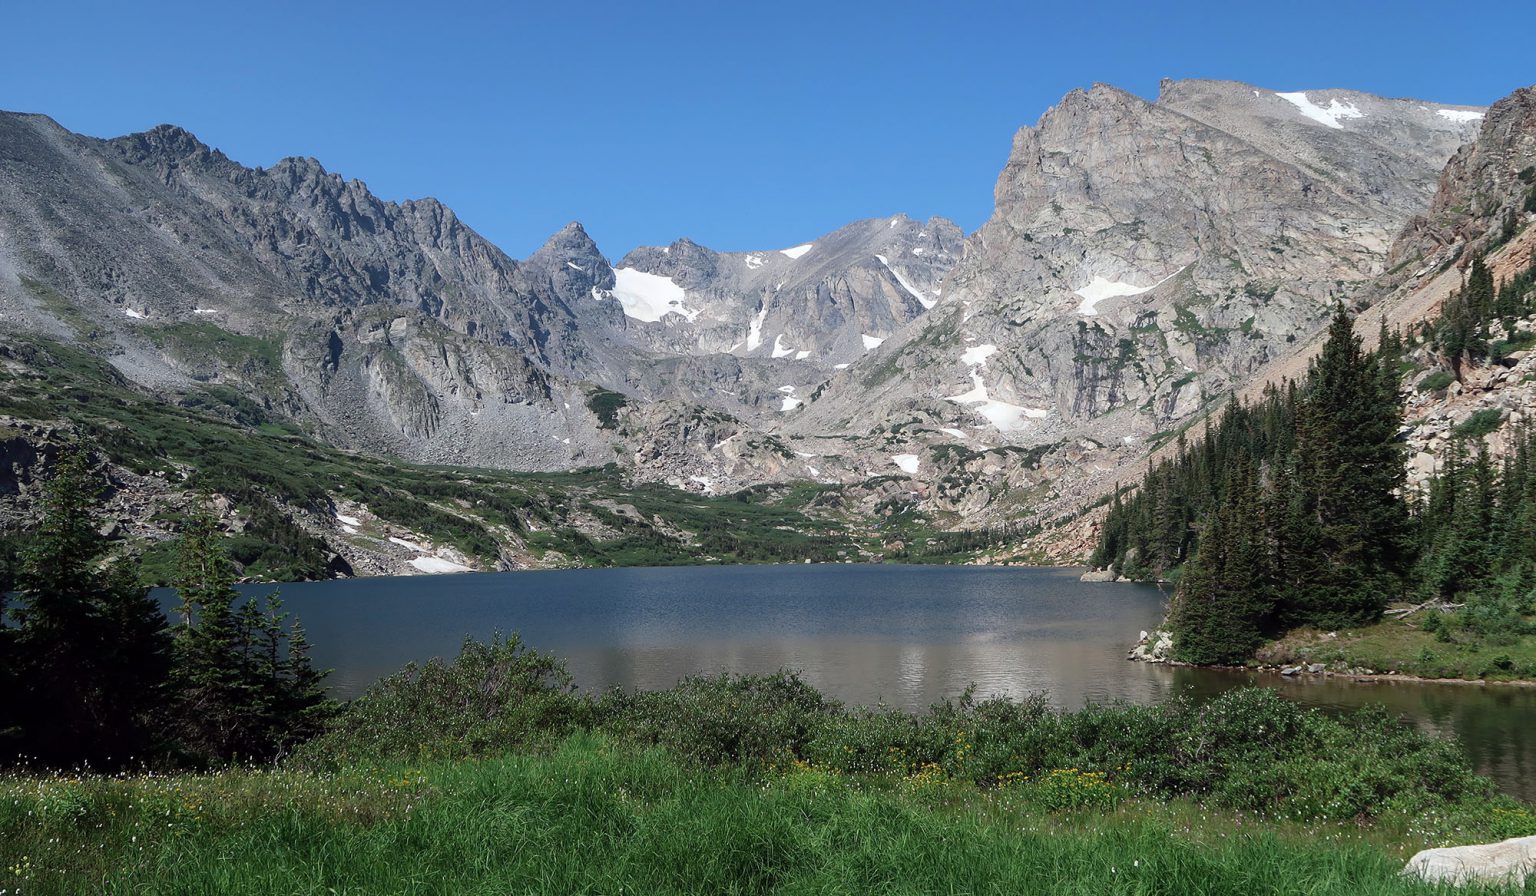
[1352, 464]
[1224, 603]
[243, 687]
[91, 648]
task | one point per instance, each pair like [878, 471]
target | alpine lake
[904, 636]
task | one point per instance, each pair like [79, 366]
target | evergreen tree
[1224, 603]
[1351, 462]
[90, 646]
[243, 687]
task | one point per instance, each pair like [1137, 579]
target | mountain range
[1144, 260]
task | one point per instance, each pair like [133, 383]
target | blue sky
[741, 126]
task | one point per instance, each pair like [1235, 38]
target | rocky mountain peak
[168, 147]
[570, 242]
[1146, 256]
[1488, 184]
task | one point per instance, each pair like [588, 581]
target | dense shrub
[1479, 424]
[757, 720]
[492, 698]
[1246, 749]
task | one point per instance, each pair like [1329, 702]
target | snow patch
[787, 390]
[907, 462]
[802, 355]
[755, 331]
[952, 432]
[350, 530]
[409, 545]
[709, 486]
[1459, 115]
[1329, 116]
[918, 250]
[977, 354]
[797, 251]
[1102, 288]
[575, 267]
[133, 314]
[1002, 415]
[754, 261]
[348, 520]
[205, 311]
[870, 342]
[790, 403]
[649, 297]
[906, 284]
[779, 349]
[839, 366]
[437, 565]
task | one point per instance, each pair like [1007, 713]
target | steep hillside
[1144, 259]
[394, 327]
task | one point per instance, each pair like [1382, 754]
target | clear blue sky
[740, 125]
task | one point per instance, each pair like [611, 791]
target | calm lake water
[905, 635]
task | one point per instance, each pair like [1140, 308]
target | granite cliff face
[1485, 189]
[1145, 258]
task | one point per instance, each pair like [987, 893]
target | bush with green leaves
[492, 698]
[1436, 381]
[1247, 749]
[1479, 424]
[752, 720]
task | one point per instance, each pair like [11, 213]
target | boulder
[1505, 862]
[1099, 575]
[1317, 668]
[1154, 647]
[1291, 670]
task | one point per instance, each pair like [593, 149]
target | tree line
[1292, 510]
[93, 674]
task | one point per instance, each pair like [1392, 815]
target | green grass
[1405, 647]
[1518, 342]
[596, 817]
[67, 312]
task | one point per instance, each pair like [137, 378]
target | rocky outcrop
[1488, 183]
[1153, 647]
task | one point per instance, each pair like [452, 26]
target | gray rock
[1507, 862]
[1317, 668]
[1224, 217]
[1291, 670]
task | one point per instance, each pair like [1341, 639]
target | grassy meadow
[490, 774]
[594, 816]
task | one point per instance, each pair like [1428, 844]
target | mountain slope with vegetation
[1296, 512]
